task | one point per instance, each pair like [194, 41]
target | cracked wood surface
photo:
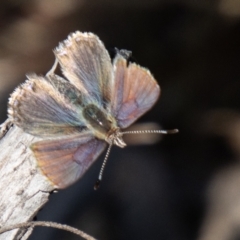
[23, 189]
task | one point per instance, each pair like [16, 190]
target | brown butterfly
[78, 116]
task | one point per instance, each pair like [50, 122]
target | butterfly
[79, 114]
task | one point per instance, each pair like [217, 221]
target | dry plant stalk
[24, 190]
[31, 225]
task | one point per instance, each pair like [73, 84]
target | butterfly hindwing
[63, 161]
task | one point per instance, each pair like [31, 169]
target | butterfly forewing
[86, 63]
[39, 108]
[135, 91]
[63, 161]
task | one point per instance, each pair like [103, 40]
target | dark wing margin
[135, 91]
[63, 161]
[87, 65]
[39, 108]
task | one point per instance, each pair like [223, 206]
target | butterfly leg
[4, 127]
[52, 70]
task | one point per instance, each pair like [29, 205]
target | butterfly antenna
[96, 186]
[172, 131]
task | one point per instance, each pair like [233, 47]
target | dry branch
[24, 190]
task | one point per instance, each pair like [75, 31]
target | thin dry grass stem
[48, 224]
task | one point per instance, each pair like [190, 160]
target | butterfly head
[115, 137]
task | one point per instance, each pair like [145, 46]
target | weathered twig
[24, 190]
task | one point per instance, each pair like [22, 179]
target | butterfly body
[78, 114]
[103, 125]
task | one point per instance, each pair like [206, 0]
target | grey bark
[23, 189]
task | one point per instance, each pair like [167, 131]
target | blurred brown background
[187, 186]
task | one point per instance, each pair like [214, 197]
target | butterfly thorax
[103, 125]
